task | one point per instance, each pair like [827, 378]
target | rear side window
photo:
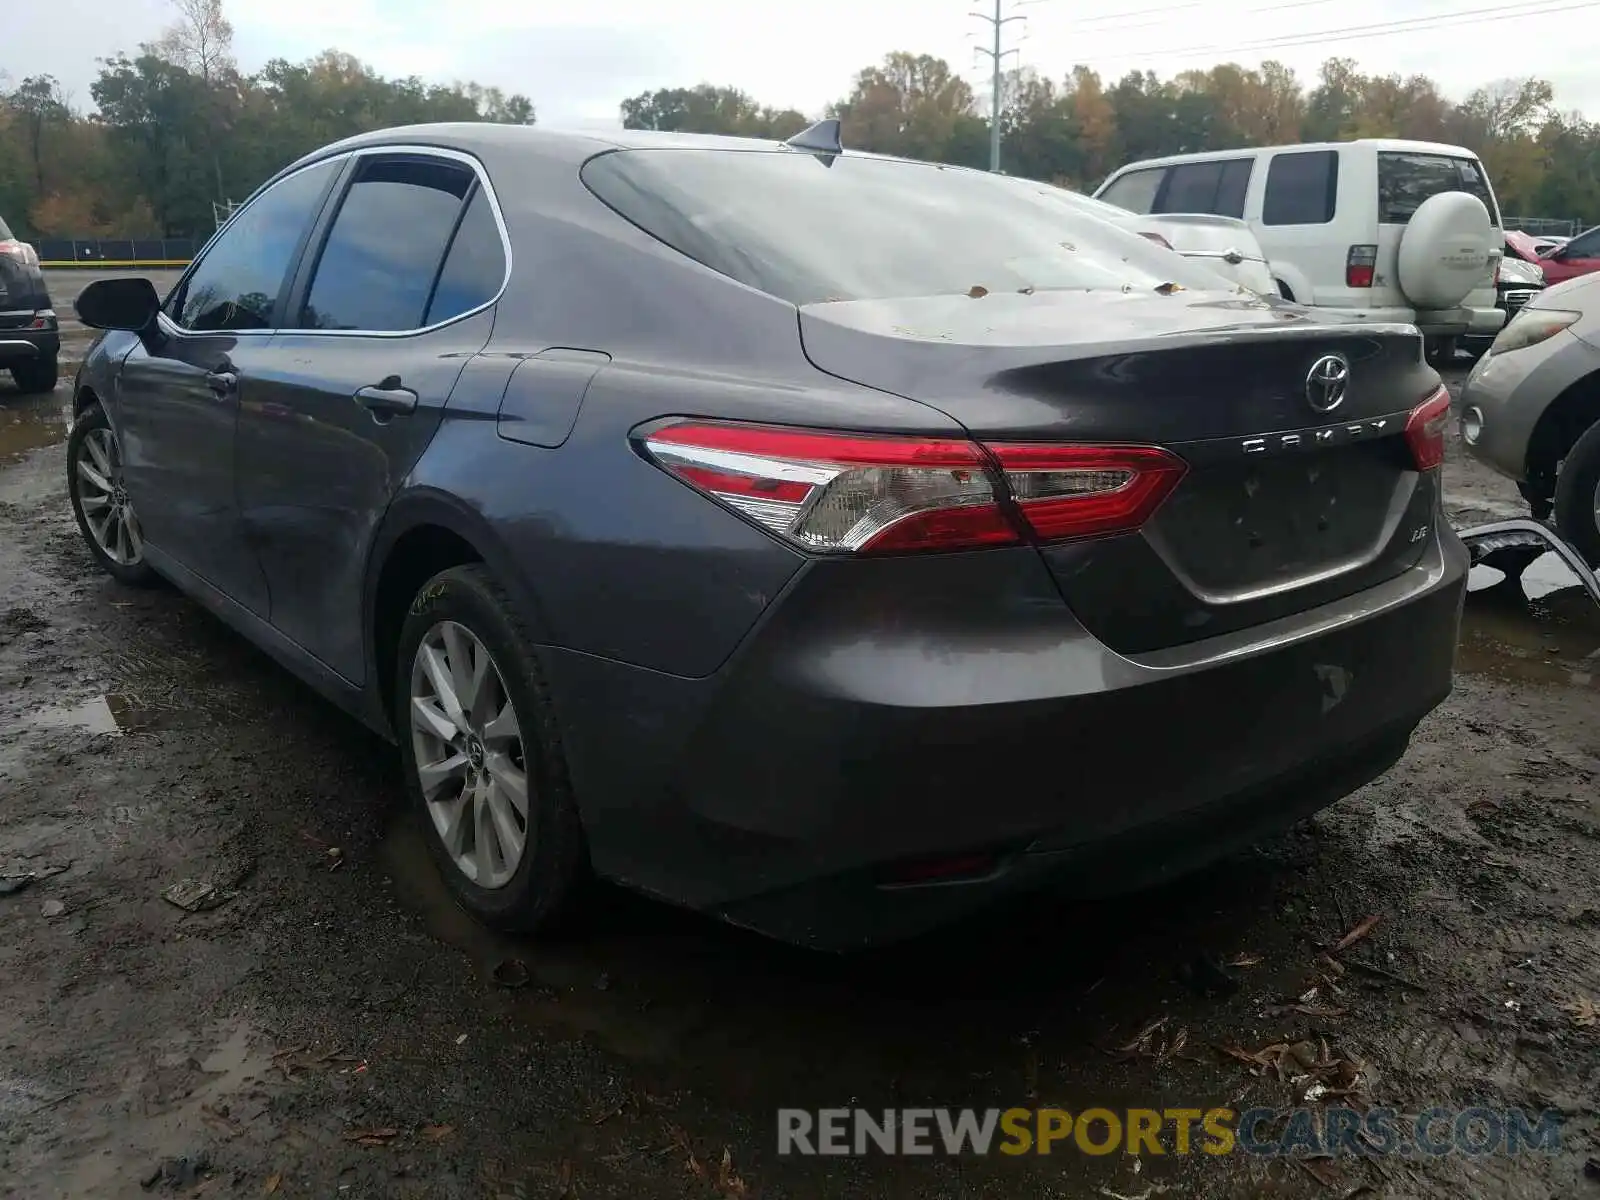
[475, 266]
[383, 254]
[1136, 191]
[1406, 180]
[1302, 188]
[809, 232]
[1215, 187]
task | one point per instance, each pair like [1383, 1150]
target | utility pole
[997, 57]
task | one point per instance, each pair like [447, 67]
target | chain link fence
[1545, 226]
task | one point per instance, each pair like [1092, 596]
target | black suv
[30, 339]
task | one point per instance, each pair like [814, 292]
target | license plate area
[1240, 526]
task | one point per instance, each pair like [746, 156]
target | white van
[1377, 228]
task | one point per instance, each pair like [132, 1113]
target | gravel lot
[334, 1027]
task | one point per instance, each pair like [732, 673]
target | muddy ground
[334, 1027]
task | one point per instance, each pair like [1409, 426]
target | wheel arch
[1564, 420]
[423, 533]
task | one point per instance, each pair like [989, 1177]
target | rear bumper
[1435, 323]
[27, 345]
[902, 710]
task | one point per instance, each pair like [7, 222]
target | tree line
[179, 128]
[1076, 130]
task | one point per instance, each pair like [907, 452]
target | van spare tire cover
[1445, 250]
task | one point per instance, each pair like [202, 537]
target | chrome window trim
[172, 327]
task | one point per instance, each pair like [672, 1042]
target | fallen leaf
[1243, 1055]
[1141, 1040]
[372, 1137]
[436, 1133]
[1583, 1011]
[1245, 960]
[564, 1180]
[692, 1163]
[1167, 289]
[1317, 1171]
[978, 293]
[1322, 1011]
[270, 1187]
[1361, 930]
[728, 1183]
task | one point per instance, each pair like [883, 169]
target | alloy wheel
[470, 763]
[103, 497]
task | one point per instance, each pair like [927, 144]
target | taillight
[870, 494]
[1155, 237]
[19, 252]
[1087, 491]
[1425, 429]
[1360, 264]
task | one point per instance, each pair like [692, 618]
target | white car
[1223, 244]
[1378, 229]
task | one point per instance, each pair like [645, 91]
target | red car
[1578, 256]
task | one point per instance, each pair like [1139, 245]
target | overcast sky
[577, 61]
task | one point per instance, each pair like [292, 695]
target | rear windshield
[809, 231]
[1406, 180]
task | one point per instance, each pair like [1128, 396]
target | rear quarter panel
[619, 559]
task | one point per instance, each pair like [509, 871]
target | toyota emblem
[1326, 383]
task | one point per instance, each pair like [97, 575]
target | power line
[1471, 17]
[998, 21]
[1077, 25]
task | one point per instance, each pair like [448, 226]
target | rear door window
[1216, 187]
[1302, 188]
[1135, 191]
[475, 267]
[1405, 180]
[384, 252]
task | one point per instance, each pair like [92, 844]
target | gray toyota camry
[833, 543]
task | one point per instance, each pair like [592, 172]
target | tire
[89, 431]
[38, 376]
[543, 888]
[1575, 501]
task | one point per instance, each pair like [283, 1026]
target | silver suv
[1531, 408]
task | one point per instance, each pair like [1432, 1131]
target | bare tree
[200, 41]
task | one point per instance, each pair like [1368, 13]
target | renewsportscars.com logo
[1265, 1132]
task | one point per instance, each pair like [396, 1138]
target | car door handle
[388, 400]
[223, 383]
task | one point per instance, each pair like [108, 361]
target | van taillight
[1359, 266]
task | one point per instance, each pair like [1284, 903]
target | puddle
[111, 715]
[755, 1022]
[25, 427]
[1545, 632]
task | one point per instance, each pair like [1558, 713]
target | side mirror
[125, 304]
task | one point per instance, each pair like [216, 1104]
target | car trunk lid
[1294, 496]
